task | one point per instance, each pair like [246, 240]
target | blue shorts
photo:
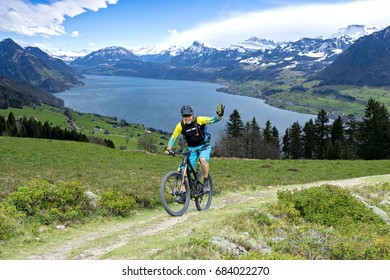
[203, 154]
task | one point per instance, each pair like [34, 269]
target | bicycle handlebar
[175, 152]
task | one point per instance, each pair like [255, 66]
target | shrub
[9, 220]
[333, 225]
[116, 203]
[262, 218]
[329, 205]
[306, 241]
[7, 225]
[362, 244]
[285, 210]
[48, 203]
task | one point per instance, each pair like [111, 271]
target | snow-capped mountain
[306, 55]
[159, 54]
[155, 50]
[309, 54]
[355, 31]
[106, 56]
[202, 55]
[251, 51]
[255, 44]
[366, 62]
[67, 56]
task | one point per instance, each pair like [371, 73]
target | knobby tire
[170, 190]
[203, 201]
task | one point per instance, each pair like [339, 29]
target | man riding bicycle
[195, 133]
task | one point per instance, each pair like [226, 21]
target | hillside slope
[17, 94]
[365, 63]
[241, 187]
[149, 233]
[35, 67]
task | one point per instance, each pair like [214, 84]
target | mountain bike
[187, 179]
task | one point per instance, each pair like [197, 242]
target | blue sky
[75, 25]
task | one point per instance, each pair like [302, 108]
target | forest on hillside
[344, 138]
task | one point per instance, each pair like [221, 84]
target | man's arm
[174, 136]
[207, 120]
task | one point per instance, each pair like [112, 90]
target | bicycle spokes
[175, 190]
[171, 194]
[203, 201]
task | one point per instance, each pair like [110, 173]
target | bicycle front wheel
[203, 201]
[170, 194]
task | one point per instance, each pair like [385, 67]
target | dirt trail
[156, 222]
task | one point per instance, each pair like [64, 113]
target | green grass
[96, 167]
[106, 128]
[43, 113]
[99, 168]
[311, 103]
[92, 125]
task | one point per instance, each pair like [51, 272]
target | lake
[157, 103]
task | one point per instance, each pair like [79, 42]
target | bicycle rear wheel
[170, 194]
[203, 200]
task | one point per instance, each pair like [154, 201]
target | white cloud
[75, 34]
[172, 31]
[286, 23]
[21, 17]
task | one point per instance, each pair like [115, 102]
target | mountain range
[355, 55]
[253, 59]
[36, 67]
[366, 62]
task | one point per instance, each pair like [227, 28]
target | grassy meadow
[124, 136]
[349, 100]
[99, 168]
[47, 181]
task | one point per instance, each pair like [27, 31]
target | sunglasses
[187, 116]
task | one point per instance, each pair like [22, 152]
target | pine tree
[275, 135]
[2, 125]
[322, 134]
[351, 138]
[275, 143]
[46, 130]
[309, 139]
[268, 132]
[375, 132]
[335, 149]
[255, 139]
[12, 128]
[295, 139]
[271, 141]
[286, 144]
[235, 126]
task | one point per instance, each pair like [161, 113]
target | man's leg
[205, 167]
[204, 160]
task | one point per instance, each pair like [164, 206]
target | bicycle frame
[187, 170]
[184, 181]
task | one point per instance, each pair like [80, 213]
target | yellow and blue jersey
[195, 133]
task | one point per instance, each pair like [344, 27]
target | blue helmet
[187, 110]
